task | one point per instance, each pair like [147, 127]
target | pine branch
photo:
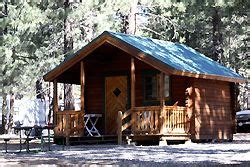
[165, 18]
[149, 29]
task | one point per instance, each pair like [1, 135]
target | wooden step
[89, 140]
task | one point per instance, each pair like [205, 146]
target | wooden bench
[7, 139]
[6, 144]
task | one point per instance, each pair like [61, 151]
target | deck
[138, 124]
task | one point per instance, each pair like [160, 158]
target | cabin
[145, 89]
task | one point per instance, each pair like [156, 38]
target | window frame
[149, 102]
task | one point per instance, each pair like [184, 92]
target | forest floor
[236, 153]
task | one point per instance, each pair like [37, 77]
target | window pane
[150, 87]
[166, 86]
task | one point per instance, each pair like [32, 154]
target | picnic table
[27, 132]
[41, 128]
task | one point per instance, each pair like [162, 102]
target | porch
[139, 124]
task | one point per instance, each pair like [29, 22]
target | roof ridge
[133, 35]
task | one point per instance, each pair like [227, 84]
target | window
[166, 86]
[152, 87]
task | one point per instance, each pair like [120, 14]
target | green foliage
[191, 23]
[27, 48]
[33, 32]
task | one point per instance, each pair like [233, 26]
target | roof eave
[209, 76]
[80, 54]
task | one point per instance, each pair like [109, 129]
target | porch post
[82, 80]
[132, 83]
[49, 115]
[55, 106]
[162, 90]
[55, 98]
[162, 103]
[132, 94]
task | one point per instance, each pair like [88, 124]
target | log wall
[178, 86]
[212, 110]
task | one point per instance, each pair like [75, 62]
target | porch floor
[75, 140]
[113, 139]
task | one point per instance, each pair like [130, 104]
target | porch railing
[151, 120]
[146, 120]
[174, 119]
[69, 123]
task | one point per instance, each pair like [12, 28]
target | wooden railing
[69, 123]
[146, 120]
[124, 116]
[154, 120]
[174, 120]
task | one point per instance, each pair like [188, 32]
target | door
[116, 91]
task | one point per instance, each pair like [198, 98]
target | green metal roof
[176, 55]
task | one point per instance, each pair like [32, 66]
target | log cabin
[146, 89]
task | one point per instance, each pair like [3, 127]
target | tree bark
[68, 97]
[5, 12]
[128, 21]
[217, 54]
[39, 89]
[4, 104]
[10, 122]
[4, 112]
[132, 17]
[68, 46]
[68, 40]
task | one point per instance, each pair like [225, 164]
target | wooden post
[233, 95]
[162, 103]
[55, 107]
[162, 90]
[132, 74]
[132, 83]
[163, 129]
[55, 101]
[82, 80]
[49, 115]
[119, 127]
[67, 130]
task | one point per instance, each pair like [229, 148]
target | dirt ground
[236, 153]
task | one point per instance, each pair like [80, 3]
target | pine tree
[68, 47]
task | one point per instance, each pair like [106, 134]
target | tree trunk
[4, 104]
[68, 40]
[132, 17]
[68, 97]
[128, 21]
[39, 89]
[68, 46]
[10, 121]
[4, 112]
[217, 54]
[5, 14]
